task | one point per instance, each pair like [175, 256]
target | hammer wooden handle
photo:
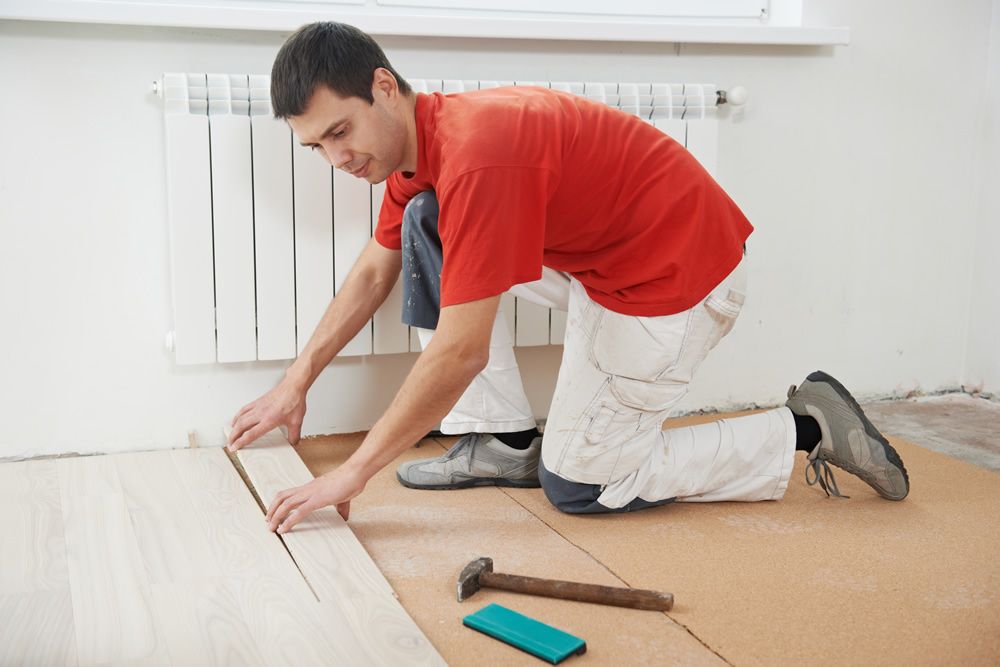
[569, 590]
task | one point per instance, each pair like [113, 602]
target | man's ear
[385, 83]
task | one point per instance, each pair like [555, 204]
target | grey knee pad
[578, 498]
[422, 260]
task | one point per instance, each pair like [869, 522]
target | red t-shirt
[527, 177]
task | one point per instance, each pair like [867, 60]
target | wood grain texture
[110, 588]
[37, 628]
[32, 549]
[338, 569]
[164, 558]
[172, 544]
[203, 624]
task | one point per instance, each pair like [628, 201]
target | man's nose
[341, 159]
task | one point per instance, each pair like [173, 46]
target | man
[573, 205]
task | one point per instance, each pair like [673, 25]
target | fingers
[249, 436]
[278, 499]
[296, 515]
[246, 408]
[294, 433]
[284, 508]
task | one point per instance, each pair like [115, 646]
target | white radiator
[263, 232]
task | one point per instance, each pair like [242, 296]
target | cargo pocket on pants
[624, 426]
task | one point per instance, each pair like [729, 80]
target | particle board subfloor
[807, 579]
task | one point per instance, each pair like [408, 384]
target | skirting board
[335, 565]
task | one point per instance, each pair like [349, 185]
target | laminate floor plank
[112, 611]
[231, 519]
[160, 558]
[203, 624]
[171, 540]
[291, 628]
[32, 546]
[337, 567]
[37, 628]
[332, 559]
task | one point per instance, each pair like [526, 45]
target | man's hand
[285, 405]
[336, 487]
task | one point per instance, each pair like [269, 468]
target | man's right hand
[285, 405]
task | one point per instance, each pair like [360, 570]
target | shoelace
[823, 475]
[462, 445]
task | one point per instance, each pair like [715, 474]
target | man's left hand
[336, 487]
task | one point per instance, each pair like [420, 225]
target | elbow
[475, 362]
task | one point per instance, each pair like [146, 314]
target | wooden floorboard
[338, 569]
[164, 558]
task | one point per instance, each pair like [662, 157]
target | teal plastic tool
[527, 634]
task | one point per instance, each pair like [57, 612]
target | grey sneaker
[477, 459]
[849, 441]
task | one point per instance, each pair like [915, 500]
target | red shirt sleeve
[492, 227]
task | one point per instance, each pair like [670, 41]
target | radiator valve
[736, 96]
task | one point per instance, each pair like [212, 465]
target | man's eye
[313, 147]
[340, 134]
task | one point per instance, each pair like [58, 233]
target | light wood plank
[231, 519]
[171, 542]
[332, 559]
[37, 629]
[204, 624]
[32, 547]
[111, 599]
[337, 567]
[291, 628]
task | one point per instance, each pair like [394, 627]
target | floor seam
[610, 571]
[596, 560]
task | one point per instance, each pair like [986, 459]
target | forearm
[433, 386]
[358, 299]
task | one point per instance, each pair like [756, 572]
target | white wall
[858, 165]
[982, 369]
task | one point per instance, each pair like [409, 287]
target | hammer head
[468, 580]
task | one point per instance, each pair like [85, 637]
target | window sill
[247, 16]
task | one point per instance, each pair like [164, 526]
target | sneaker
[849, 441]
[477, 459]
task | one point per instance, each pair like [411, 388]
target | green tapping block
[527, 634]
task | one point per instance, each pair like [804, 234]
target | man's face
[365, 140]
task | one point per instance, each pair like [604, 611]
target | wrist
[298, 376]
[359, 468]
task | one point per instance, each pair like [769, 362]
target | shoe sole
[470, 483]
[890, 453]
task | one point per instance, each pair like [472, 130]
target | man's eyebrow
[329, 130]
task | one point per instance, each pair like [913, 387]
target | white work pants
[620, 378]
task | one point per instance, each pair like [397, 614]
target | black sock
[807, 433]
[518, 440]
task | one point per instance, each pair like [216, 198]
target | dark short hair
[335, 55]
